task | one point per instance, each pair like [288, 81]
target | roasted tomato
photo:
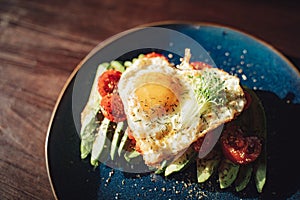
[248, 99]
[238, 148]
[108, 82]
[200, 65]
[133, 143]
[153, 55]
[112, 107]
[197, 145]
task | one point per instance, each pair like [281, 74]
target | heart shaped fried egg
[169, 107]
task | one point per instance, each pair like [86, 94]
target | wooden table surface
[41, 42]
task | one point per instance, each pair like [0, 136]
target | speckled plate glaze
[259, 66]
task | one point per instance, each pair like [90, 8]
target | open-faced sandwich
[164, 113]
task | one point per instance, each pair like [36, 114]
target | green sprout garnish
[209, 88]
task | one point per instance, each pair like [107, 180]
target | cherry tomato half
[112, 107]
[248, 99]
[238, 148]
[108, 82]
[130, 134]
[153, 55]
[197, 145]
[200, 65]
[133, 143]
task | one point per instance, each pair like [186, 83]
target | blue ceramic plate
[259, 66]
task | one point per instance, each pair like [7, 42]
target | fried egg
[164, 107]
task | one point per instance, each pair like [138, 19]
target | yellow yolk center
[156, 100]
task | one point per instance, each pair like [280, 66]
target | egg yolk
[156, 100]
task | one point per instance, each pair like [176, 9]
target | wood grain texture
[41, 42]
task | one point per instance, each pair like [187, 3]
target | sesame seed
[244, 77]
